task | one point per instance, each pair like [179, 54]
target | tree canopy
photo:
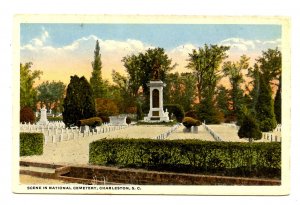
[205, 63]
[28, 94]
[51, 94]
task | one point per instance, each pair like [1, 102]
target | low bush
[170, 123]
[188, 122]
[104, 119]
[31, 144]
[193, 156]
[53, 119]
[27, 115]
[128, 120]
[176, 110]
[92, 122]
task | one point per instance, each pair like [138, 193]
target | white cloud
[276, 42]
[37, 42]
[239, 44]
[244, 45]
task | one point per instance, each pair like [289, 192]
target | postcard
[177, 105]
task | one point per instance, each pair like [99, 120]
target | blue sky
[62, 50]
[163, 35]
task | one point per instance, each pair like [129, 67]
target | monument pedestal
[43, 119]
[156, 112]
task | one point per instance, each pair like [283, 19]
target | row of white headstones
[57, 132]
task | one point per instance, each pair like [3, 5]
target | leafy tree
[234, 70]
[127, 95]
[207, 111]
[79, 102]
[28, 94]
[222, 100]
[51, 94]
[205, 63]
[96, 78]
[277, 103]
[180, 89]
[139, 70]
[252, 88]
[270, 64]
[106, 107]
[249, 128]
[265, 106]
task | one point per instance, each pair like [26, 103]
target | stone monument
[43, 119]
[156, 112]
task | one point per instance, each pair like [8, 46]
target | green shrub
[249, 129]
[194, 156]
[176, 110]
[27, 115]
[188, 122]
[92, 122]
[53, 119]
[104, 119]
[31, 144]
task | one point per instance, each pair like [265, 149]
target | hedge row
[192, 156]
[31, 144]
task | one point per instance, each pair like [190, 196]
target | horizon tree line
[198, 90]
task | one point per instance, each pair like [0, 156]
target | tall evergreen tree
[96, 78]
[265, 106]
[249, 128]
[79, 102]
[277, 103]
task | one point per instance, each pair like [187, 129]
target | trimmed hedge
[93, 122]
[192, 156]
[31, 144]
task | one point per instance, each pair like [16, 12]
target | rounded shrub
[92, 122]
[188, 122]
[27, 115]
[128, 120]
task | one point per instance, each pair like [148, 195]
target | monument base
[157, 115]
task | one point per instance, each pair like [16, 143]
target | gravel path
[227, 133]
